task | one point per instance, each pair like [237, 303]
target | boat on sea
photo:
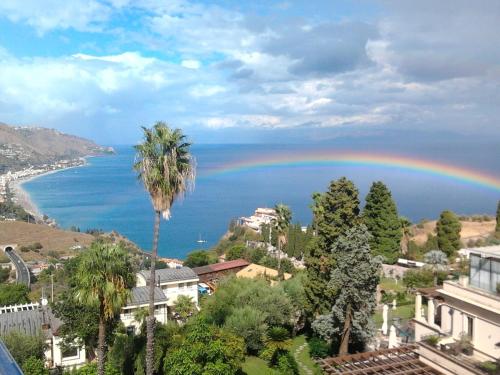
[200, 240]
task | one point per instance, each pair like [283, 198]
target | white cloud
[46, 15]
[200, 91]
[191, 64]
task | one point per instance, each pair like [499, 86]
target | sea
[106, 194]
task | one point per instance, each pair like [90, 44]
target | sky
[252, 71]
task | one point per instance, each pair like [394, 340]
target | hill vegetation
[22, 146]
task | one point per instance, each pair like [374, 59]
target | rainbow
[329, 158]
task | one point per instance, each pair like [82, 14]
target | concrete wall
[161, 313]
[187, 288]
[73, 361]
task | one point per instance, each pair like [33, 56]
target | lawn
[257, 366]
[387, 283]
[404, 312]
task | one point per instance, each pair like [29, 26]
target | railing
[23, 307]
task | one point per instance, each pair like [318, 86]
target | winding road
[23, 273]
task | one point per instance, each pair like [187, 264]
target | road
[23, 273]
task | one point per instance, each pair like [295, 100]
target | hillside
[471, 230]
[52, 239]
[22, 146]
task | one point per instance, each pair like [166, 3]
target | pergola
[395, 361]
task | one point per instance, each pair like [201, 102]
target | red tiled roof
[229, 264]
[224, 266]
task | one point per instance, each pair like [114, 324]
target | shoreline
[23, 198]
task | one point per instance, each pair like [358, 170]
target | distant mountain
[24, 146]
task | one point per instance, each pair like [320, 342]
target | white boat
[200, 240]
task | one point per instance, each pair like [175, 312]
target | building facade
[467, 310]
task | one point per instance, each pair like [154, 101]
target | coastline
[22, 196]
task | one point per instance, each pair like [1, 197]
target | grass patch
[387, 283]
[304, 357]
[256, 366]
[404, 312]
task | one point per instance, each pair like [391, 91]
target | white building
[173, 282]
[468, 309]
[139, 299]
[261, 216]
[30, 319]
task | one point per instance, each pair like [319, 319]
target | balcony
[463, 291]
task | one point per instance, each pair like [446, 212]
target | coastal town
[277, 187]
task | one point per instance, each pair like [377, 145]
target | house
[173, 282]
[214, 272]
[467, 310]
[31, 320]
[253, 271]
[260, 217]
[139, 299]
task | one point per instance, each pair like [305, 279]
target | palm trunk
[101, 343]
[435, 279]
[152, 283]
[279, 259]
[346, 332]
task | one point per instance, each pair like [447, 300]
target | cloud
[46, 15]
[191, 64]
[215, 66]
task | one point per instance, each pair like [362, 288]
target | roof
[8, 364]
[29, 322]
[140, 295]
[401, 360]
[229, 265]
[486, 251]
[255, 270]
[167, 275]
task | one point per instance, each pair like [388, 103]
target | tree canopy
[334, 212]
[355, 279]
[448, 233]
[380, 216]
[12, 294]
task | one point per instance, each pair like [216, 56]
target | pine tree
[334, 213]
[448, 232]
[355, 277]
[380, 215]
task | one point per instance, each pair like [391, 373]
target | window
[69, 352]
[470, 327]
[484, 272]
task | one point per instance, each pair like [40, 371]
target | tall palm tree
[103, 278]
[436, 261]
[281, 224]
[406, 230]
[167, 170]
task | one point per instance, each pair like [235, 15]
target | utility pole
[52, 287]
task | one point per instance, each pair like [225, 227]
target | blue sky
[228, 71]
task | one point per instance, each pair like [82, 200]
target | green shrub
[34, 366]
[490, 367]
[318, 348]
[286, 364]
[432, 340]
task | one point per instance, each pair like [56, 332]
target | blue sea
[106, 194]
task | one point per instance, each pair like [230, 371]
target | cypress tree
[448, 232]
[380, 216]
[334, 213]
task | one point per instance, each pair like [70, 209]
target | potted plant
[465, 344]
[432, 340]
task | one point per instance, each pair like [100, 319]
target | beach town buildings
[464, 315]
[33, 319]
[212, 273]
[171, 283]
[254, 271]
[261, 216]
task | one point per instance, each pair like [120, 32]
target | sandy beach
[24, 199]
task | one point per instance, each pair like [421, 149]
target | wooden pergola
[395, 361]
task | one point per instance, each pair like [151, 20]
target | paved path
[302, 366]
[23, 273]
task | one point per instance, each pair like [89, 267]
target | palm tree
[281, 224]
[103, 278]
[436, 261]
[406, 229]
[184, 306]
[167, 170]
